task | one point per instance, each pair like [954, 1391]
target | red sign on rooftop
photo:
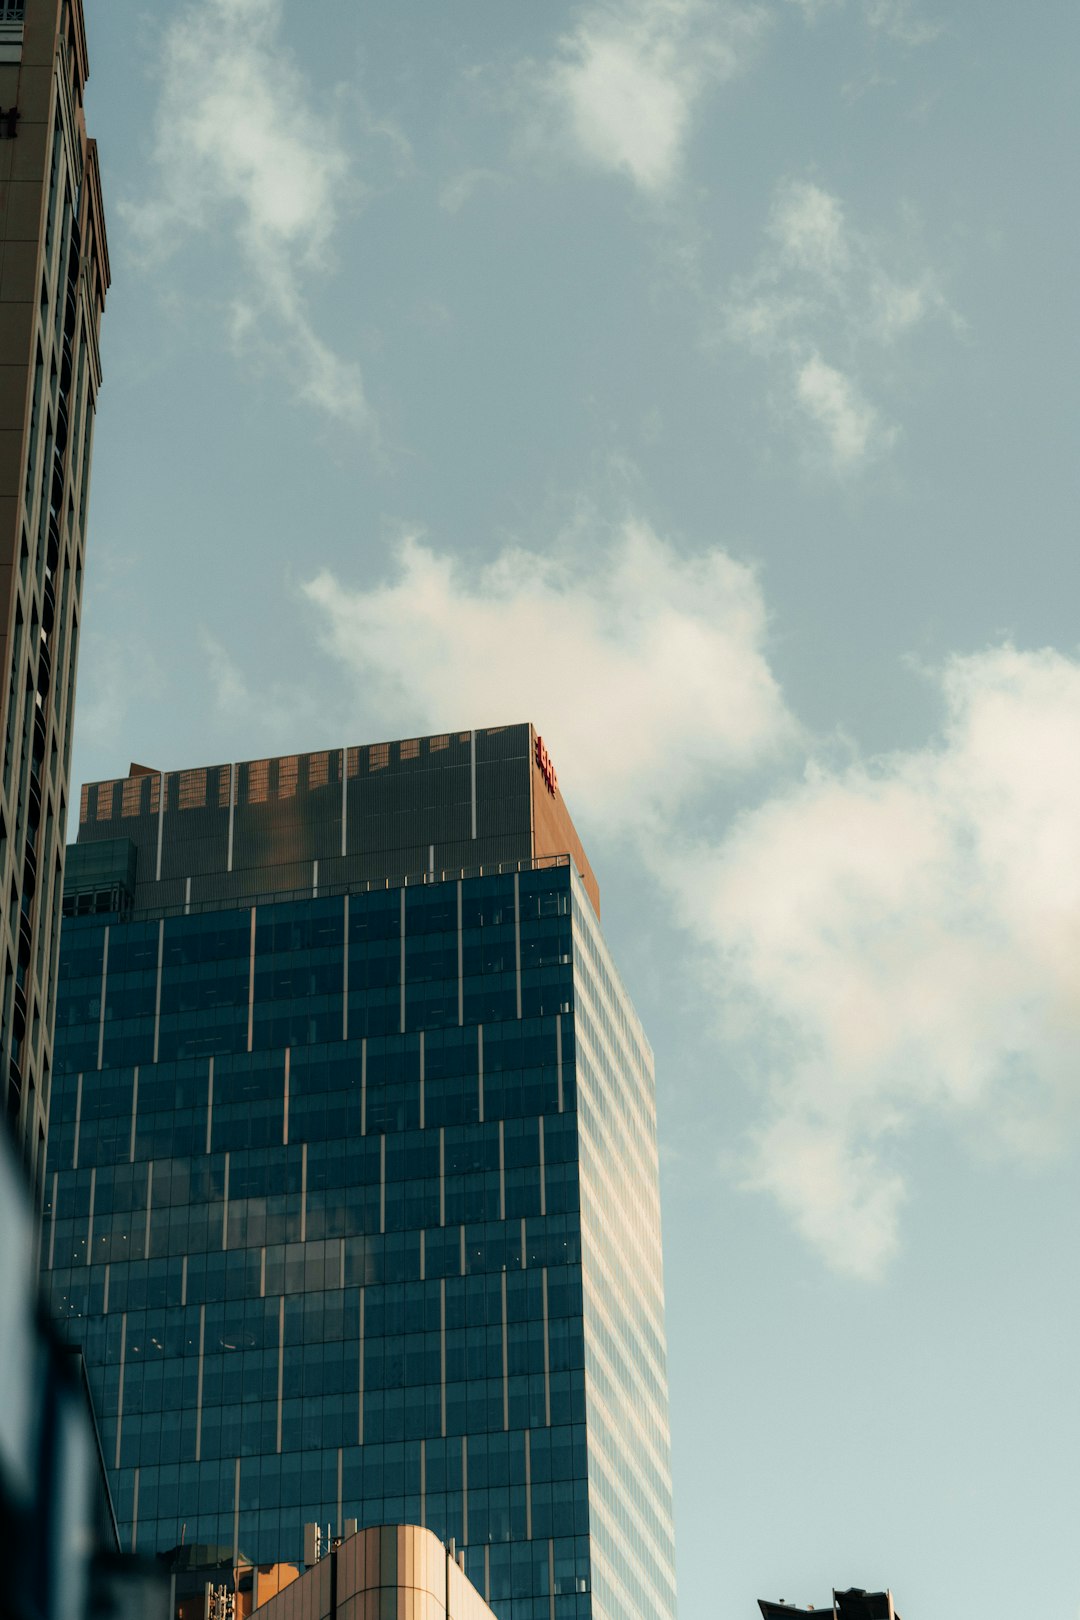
[546, 768]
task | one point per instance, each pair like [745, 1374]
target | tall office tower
[352, 1194]
[52, 292]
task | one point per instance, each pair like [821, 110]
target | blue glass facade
[352, 1203]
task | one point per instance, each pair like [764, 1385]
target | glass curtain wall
[314, 1210]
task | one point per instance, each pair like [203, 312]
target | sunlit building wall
[401, 1570]
[55, 272]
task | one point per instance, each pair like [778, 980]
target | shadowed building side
[336, 819]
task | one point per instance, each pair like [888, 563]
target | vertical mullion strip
[480, 1070]
[363, 1086]
[52, 1217]
[422, 1109]
[183, 1282]
[528, 1485]
[160, 824]
[461, 1249]
[340, 1472]
[78, 1122]
[262, 1272]
[344, 807]
[505, 1358]
[460, 962]
[104, 984]
[120, 1390]
[135, 1512]
[280, 1363]
[303, 1192]
[105, 1290]
[149, 1207]
[442, 1176]
[558, 1058]
[232, 816]
[90, 1216]
[543, 1171]
[382, 1182]
[236, 1516]
[551, 1580]
[502, 1170]
[199, 1384]
[315, 880]
[472, 778]
[157, 987]
[210, 1106]
[251, 983]
[423, 1483]
[547, 1348]
[442, 1356]
[360, 1419]
[225, 1206]
[187, 896]
[464, 1490]
[517, 939]
[345, 974]
[285, 1106]
[402, 962]
[134, 1113]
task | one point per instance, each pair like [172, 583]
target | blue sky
[696, 378]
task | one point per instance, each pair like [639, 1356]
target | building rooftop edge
[136, 769]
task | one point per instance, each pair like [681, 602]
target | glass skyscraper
[352, 1193]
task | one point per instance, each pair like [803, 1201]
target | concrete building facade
[54, 274]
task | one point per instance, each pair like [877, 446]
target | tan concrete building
[54, 273]
[395, 1569]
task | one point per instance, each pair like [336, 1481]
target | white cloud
[822, 307]
[645, 670]
[809, 229]
[623, 86]
[850, 425]
[890, 943]
[898, 19]
[461, 188]
[240, 147]
[903, 936]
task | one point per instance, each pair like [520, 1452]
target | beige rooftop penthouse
[397, 1569]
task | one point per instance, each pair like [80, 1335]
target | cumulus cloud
[825, 304]
[240, 147]
[901, 936]
[888, 943]
[646, 670]
[622, 87]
